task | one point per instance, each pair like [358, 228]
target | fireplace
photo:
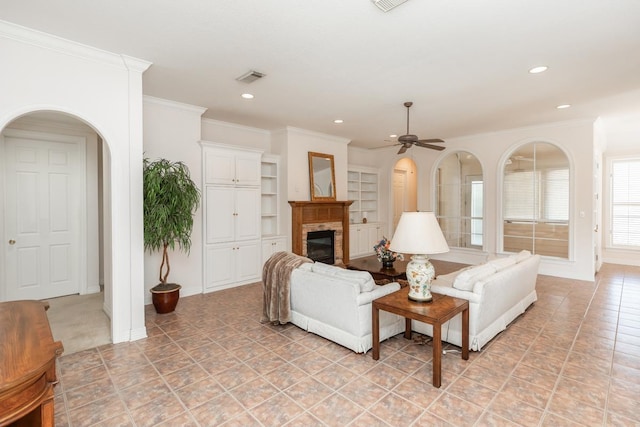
[320, 246]
[308, 216]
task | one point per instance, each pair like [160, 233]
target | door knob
[12, 242]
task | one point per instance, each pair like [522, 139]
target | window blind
[625, 203]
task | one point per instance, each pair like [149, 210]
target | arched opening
[54, 170]
[459, 200]
[535, 200]
[405, 188]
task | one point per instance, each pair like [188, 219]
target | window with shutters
[625, 204]
[535, 200]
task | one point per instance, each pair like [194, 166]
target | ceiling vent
[250, 76]
[387, 5]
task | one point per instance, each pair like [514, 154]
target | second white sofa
[498, 292]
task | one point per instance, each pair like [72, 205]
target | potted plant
[170, 201]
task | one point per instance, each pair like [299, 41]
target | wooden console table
[27, 364]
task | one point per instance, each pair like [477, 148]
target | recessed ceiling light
[536, 70]
[247, 96]
[338, 121]
[563, 106]
[393, 135]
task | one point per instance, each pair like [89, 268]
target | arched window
[535, 200]
[459, 200]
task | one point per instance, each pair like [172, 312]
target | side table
[435, 313]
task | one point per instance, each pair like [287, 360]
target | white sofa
[498, 291]
[336, 304]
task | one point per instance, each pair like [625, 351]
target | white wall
[299, 143]
[491, 149]
[42, 72]
[172, 132]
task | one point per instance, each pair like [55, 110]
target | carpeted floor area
[79, 322]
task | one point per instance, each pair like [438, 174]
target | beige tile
[162, 409]
[277, 411]
[591, 395]
[335, 410]
[308, 392]
[527, 392]
[576, 410]
[472, 391]
[199, 392]
[363, 392]
[455, 410]
[507, 406]
[396, 410]
[254, 392]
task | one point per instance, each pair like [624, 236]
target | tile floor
[572, 359]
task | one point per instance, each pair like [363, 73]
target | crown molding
[48, 41]
[174, 104]
[304, 132]
[236, 126]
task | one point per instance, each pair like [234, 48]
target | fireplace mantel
[318, 212]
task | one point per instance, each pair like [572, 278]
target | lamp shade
[418, 233]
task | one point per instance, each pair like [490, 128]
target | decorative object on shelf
[322, 176]
[419, 233]
[385, 255]
[170, 200]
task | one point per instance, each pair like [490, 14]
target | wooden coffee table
[373, 266]
[435, 313]
[399, 270]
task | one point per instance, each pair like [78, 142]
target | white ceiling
[462, 62]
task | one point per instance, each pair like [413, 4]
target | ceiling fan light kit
[387, 5]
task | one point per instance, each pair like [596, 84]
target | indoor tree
[170, 201]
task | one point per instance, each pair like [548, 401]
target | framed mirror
[322, 176]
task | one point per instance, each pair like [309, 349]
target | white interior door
[43, 206]
[399, 195]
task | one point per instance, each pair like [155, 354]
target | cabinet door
[247, 169]
[375, 234]
[221, 265]
[248, 266]
[220, 221]
[271, 246]
[219, 167]
[247, 213]
[354, 250]
[364, 243]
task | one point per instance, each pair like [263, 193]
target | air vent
[387, 5]
[250, 76]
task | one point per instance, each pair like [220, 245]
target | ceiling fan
[409, 140]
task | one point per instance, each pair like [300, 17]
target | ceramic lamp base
[420, 273]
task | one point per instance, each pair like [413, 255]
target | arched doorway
[404, 188]
[52, 169]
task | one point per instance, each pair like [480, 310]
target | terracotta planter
[165, 297]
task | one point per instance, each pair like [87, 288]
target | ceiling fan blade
[402, 149]
[383, 146]
[433, 147]
[431, 141]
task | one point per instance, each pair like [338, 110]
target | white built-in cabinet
[271, 245]
[232, 215]
[362, 238]
[272, 240]
[363, 189]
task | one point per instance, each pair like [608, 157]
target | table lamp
[419, 233]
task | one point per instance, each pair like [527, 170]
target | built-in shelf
[362, 188]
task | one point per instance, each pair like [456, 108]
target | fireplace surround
[309, 216]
